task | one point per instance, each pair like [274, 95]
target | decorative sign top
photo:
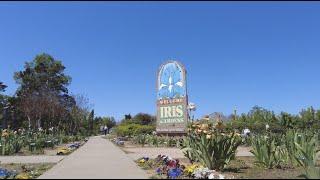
[171, 81]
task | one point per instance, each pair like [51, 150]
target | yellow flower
[190, 169]
[142, 161]
[22, 176]
[63, 151]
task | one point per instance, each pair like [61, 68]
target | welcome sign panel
[172, 114]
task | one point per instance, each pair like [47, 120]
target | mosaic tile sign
[172, 99]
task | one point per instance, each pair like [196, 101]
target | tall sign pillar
[172, 99]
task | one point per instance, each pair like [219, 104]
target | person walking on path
[105, 129]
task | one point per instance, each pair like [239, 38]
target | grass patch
[244, 168]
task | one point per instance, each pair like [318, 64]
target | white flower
[267, 126]
[221, 176]
[211, 176]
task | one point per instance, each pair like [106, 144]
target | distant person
[101, 129]
[105, 129]
[246, 132]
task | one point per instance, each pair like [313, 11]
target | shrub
[133, 129]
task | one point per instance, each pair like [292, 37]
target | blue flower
[4, 173]
[174, 173]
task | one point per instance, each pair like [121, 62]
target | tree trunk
[29, 123]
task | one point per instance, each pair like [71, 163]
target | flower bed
[68, 149]
[23, 171]
[167, 167]
[17, 142]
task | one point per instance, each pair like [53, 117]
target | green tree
[90, 120]
[42, 94]
[307, 117]
[144, 119]
[110, 122]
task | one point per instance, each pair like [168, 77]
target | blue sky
[236, 54]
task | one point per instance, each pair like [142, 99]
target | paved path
[97, 159]
[30, 159]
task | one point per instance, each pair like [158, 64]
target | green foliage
[44, 72]
[295, 148]
[144, 119]
[306, 149]
[141, 139]
[188, 153]
[214, 152]
[267, 151]
[90, 119]
[101, 121]
[311, 171]
[133, 129]
[258, 117]
[12, 142]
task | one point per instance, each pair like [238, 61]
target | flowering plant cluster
[69, 148]
[170, 168]
[210, 144]
[12, 141]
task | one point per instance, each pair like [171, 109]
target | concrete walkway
[97, 159]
